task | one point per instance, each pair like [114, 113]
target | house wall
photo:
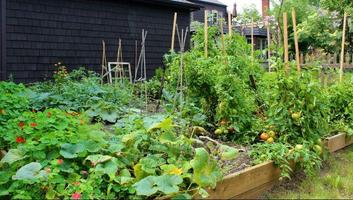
[43, 32]
[199, 15]
[2, 39]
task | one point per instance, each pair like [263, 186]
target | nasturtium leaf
[71, 150]
[168, 184]
[228, 153]
[146, 186]
[206, 171]
[12, 156]
[29, 172]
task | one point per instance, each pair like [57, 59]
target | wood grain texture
[250, 183]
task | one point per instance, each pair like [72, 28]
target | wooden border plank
[251, 182]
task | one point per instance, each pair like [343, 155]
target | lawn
[334, 181]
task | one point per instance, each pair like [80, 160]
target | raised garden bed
[251, 182]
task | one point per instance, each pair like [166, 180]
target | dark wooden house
[35, 34]
[215, 8]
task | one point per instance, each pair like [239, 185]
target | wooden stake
[343, 43]
[268, 45]
[297, 53]
[173, 34]
[285, 42]
[230, 24]
[206, 33]
[252, 38]
[222, 38]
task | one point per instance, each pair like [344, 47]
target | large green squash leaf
[168, 184]
[206, 171]
[30, 171]
[12, 156]
[146, 187]
[71, 150]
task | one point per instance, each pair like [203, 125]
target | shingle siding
[199, 15]
[43, 32]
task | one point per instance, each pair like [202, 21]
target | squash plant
[57, 154]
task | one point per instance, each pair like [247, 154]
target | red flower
[20, 140]
[21, 125]
[33, 124]
[60, 161]
[76, 196]
[49, 114]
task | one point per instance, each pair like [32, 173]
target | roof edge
[212, 3]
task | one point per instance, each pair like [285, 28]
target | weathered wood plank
[243, 181]
[338, 142]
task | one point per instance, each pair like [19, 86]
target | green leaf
[167, 137]
[12, 156]
[109, 116]
[95, 159]
[228, 153]
[4, 177]
[168, 184]
[166, 124]
[71, 150]
[146, 187]
[29, 172]
[182, 196]
[206, 171]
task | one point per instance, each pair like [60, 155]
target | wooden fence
[326, 60]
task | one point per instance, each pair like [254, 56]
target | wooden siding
[2, 39]
[43, 32]
[199, 15]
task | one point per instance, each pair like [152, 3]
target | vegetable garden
[73, 137]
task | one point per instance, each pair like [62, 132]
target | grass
[335, 181]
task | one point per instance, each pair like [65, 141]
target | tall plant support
[105, 72]
[343, 43]
[268, 26]
[181, 85]
[173, 33]
[252, 39]
[285, 42]
[230, 24]
[119, 70]
[206, 33]
[297, 52]
[141, 67]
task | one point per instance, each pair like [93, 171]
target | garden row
[76, 138]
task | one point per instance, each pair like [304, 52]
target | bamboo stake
[222, 38]
[343, 42]
[206, 33]
[230, 24]
[268, 45]
[285, 42]
[296, 40]
[173, 34]
[252, 39]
